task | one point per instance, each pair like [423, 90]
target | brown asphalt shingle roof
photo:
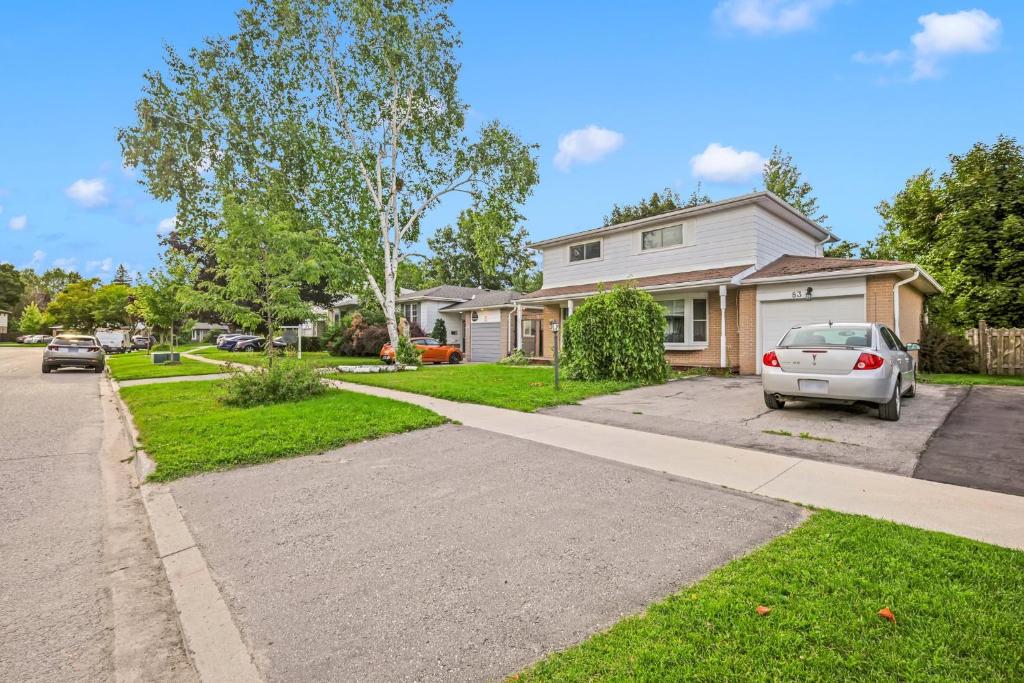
[649, 281]
[802, 265]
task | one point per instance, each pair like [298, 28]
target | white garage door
[485, 344]
[778, 316]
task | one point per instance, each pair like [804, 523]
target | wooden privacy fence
[1000, 350]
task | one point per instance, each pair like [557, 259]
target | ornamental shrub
[946, 351]
[616, 335]
[440, 331]
[287, 380]
[353, 336]
[407, 353]
[517, 357]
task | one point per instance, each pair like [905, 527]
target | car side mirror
[913, 346]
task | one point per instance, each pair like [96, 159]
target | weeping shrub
[616, 335]
[945, 351]
[287, 380]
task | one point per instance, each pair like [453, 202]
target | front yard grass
[186, 430]
[316, 359]
[138, 365]
[956, 602]
[968, 379]
[525, 388]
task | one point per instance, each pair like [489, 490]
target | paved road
[82, 597]
[981, 444]
[452, 553]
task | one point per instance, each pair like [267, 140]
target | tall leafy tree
[33, 320]
[966, 227]
[782, 177]
[162, 302]
[480, 252]
[349, 107]
[842, 249]
[658, 203]
[11, 287]
[110, 305]
[73, 308]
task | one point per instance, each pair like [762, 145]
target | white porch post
[519, 326]
[721, 304]
[572, 306]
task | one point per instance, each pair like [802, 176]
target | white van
[114, 341]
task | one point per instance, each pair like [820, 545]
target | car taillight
[52, 347]
[93, 349]
[868, 361]
[770, 359]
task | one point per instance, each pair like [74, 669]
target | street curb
[213, 641]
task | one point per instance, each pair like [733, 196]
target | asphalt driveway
[731, 410]
[981, 444]
[452, 553]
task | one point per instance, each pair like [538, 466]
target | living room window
[584, 251]
[686, 321]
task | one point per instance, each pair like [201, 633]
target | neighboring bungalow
[201, 330]
[488, 323]
[733, 277]
[425, 306]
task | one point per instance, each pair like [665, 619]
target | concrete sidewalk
[983, 515]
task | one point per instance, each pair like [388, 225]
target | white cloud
[166, 226]
[770, 16]
[885, 58]
[586, 145]
[65, 263]
[18, 222]
[726, 164]
[38, 256]
[103, 266]
[967, 31]
[89, 192]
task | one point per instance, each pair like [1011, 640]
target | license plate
[72, 349]
[814, 386]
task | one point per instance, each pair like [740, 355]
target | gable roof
[767, 200]
[486, 299]
[709, 276]
[788, 267]
[442, 293]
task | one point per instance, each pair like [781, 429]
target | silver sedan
[841, 363]
[73, 351]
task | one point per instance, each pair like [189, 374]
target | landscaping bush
[312, 344]
[353, 336]
[616, 335]
[517, 357]
[416, 331]
[945, 351]
[440, 331]
[407, 353]
[285, 381]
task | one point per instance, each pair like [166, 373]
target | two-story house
[733, 276]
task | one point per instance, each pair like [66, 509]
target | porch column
[519, 326]
[722, 297]
[572, 306]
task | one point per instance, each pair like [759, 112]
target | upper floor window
[585, 251]
[660, 238]
[411, 312]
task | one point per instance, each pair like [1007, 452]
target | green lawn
[26, 346]
[957, 605]
[963, 378]
[137, 365]
[186, 430]
[317, 359]
[525, 388]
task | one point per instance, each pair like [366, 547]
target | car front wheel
[891, 409]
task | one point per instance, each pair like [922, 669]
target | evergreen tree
[122, 276]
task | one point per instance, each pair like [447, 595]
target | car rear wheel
[46, 369]
[773, 402]
[99, 368]
[455, 359]
[891, 409]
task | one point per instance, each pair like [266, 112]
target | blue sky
[623, 99]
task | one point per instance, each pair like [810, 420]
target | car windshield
[831, 335]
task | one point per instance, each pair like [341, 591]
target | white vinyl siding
[775, 237]
[723, 238]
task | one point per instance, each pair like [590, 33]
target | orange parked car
[432, 351]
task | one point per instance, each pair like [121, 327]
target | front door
[531, 337]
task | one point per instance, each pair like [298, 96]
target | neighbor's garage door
[778, 316]
[485, 344]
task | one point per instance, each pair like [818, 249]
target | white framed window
[411, 312]
[665, 238]
[686, 322]
[584, 251]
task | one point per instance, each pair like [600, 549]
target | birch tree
[349, 107]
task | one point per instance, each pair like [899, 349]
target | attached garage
[485, 342]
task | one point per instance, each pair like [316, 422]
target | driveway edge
[213, 642]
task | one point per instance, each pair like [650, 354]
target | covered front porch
[701, 323]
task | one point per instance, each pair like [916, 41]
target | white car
[843, 363]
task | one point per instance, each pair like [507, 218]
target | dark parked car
[228, 342]
[257, 344]
[141, 342]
